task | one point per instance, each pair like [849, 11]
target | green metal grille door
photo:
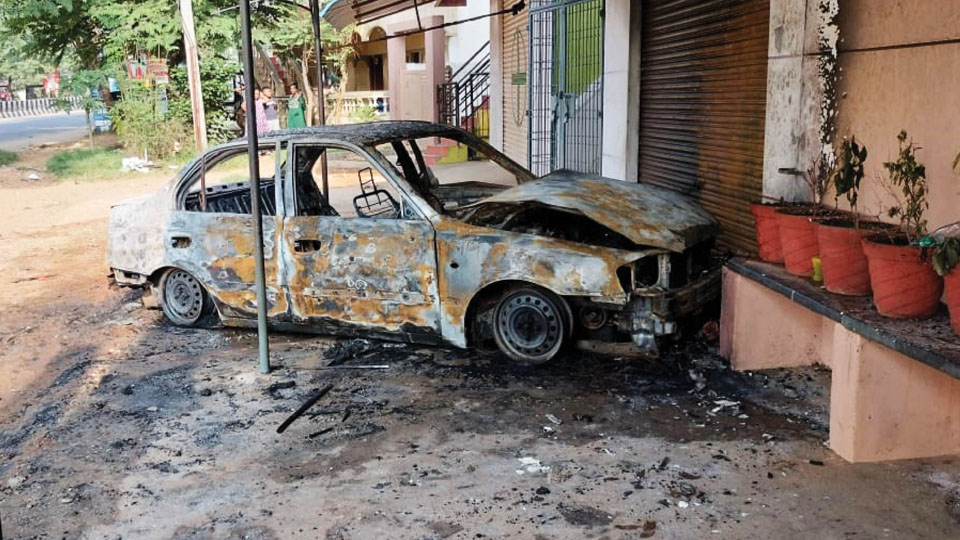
[566, 86]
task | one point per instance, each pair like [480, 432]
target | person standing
[258, 112]
[241, 110]
[296, 115]
[270, 110]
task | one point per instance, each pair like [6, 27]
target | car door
[211, 232]
[356, 266]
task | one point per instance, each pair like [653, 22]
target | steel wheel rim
[530, 325]
[183, 296]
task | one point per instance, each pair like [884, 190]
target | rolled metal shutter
[703, 94]
[516, 44]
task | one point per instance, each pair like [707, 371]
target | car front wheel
[182, 298]
[529, 325]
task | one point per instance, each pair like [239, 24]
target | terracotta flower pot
[768, 231]
[844, 265]
[798, 239]
[904, 284]
[952, 283]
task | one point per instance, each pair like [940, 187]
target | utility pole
[252, 149]
[193, 75]
[321, 106]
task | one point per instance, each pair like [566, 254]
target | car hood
[646, 214]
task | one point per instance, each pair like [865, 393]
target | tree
[83, 85]
[53, 28]
[289, 34]
[18, 67]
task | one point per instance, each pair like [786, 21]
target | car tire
[183, 299]
[530, 325]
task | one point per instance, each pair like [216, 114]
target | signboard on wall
[145, 66]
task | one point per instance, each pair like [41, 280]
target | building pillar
[800, 110]
[434, 43]
[621, 91]
[496, 76]
[396, 65]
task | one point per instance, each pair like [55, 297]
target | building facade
[729, 101]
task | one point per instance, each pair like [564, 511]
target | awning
[340, 13]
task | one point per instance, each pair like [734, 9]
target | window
[414, 57]
[356, 188]
[445, 173]
[222, 183]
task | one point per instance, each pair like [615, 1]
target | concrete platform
[895, 390]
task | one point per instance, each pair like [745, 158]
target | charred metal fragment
[303, 408]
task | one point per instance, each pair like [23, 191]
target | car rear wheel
[529, 325]
[182, 298]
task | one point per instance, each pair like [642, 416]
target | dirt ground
[114, 424]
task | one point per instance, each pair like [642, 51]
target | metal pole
[318, 46]
[249, 80]
[193, 75]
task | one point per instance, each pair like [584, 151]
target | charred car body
[527, 263]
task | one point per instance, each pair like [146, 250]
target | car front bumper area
[654, 313]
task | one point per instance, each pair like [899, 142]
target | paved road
[19, 133]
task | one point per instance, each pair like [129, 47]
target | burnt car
[423, 233]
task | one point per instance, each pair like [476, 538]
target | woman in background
[259, 114]
[296, 115]
[270, 108]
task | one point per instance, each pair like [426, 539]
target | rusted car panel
[367, 273]
[646, 214]
[473, 258]
[135, 237]
[629, 256]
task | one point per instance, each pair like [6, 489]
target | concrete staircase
[448, 151]
[443, 151]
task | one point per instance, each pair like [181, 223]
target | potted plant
[839, 238]
[946, 262]
[767, 230]
[798, 234]
[903, 281]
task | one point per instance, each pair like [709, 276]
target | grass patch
[86, 164]
[7, 157]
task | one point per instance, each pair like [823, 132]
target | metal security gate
[566, 85]
[703, 90]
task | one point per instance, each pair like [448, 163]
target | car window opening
[223, 185]
[356, 188]
[446, 173]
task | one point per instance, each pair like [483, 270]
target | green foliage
[216, 76]
[946, 256]
[85, 164]
[82, 85]
[7, 157]
[18, 66]
[848, 172]
[97, 33]
[141, 124]
[150, 25]
[289, 33]
[908, 177]
[364, 114]
[50, 29]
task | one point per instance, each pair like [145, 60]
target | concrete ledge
[894, 394]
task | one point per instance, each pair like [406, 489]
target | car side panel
[135, 235]
[378, 274]
[218, 250]
[471, 258]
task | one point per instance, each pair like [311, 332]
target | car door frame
[193, 241]
[329, 307]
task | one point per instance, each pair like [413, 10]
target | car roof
[372, 133]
